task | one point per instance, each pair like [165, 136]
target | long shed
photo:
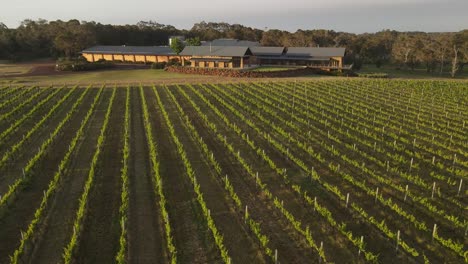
[146, 54]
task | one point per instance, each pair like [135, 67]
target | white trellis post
[256, 179]
[347, 200]
[246, 213]
[376, 194]
[361, 245]
[406, 193]
[397, 240]
[460, 187]
[320, 251]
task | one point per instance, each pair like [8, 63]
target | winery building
[144, 54]
[231, 54]
[216, 56]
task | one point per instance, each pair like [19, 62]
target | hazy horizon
[358, 16]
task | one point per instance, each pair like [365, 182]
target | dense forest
[433, 51]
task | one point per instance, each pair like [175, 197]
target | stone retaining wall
[241, 73]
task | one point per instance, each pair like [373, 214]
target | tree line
[436, 52]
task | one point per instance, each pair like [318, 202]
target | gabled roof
[267, 51]
[315, 52]
[221, 51]
[130, 50]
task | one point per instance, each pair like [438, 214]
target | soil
[20, 96]
[99, 240]
[146, 238]
[21, 211]
[57, 227]
[14, 115]
[241, 247]
[19, 160]
[391, 218]
[192, 238]
[333, 241]
[291, 248]
[101, 232]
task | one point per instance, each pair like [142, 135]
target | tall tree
[177, 46]
[272, 38]
[72, 38]
[404, 49]
[460, 51]
[193, 41]
[6, 42]
[442, 48]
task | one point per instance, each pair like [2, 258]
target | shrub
[81, 64]
[158, 65]
[173, 62]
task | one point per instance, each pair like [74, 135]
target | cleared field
[338, 171]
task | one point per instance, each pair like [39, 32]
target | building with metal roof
[143, 54]
[223, 56]
[314, 52]
[324, 58]
[268, 51]
[217, 56]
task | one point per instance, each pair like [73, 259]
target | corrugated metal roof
[295, 58]
[222, 51]
[130, 50]
[315, 52]
[267, 51]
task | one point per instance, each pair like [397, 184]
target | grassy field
[330, 171]
[9, 69]
[108, 76]
[125, 76]
[418, 73]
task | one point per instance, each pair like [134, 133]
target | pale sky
[356, 16]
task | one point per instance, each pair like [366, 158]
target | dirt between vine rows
[57, 229]
[19, 160]
[391, 218]
[367, 204]
[11, 105]
[146, 238]
[291, 248]
[279, 158]
[101, 233]
[21, 211]
[6, 123]
[192, 239]
[241, 247]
